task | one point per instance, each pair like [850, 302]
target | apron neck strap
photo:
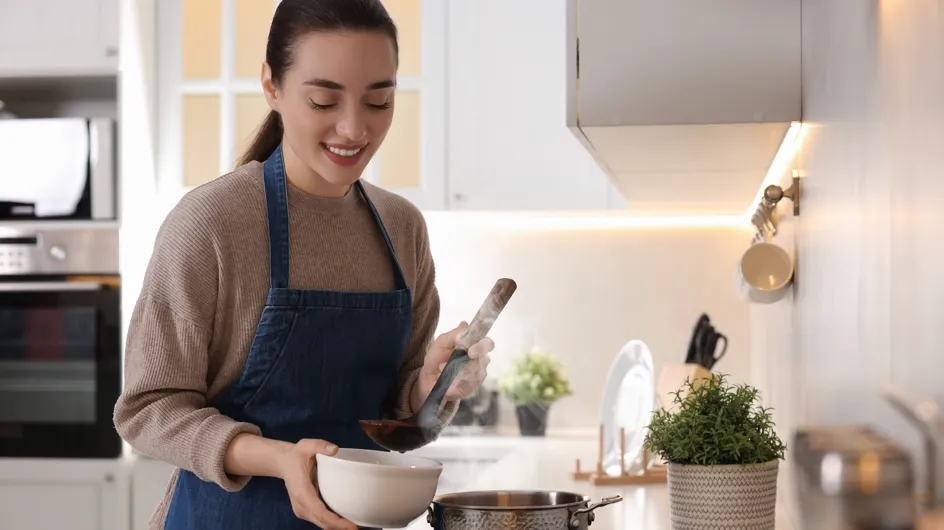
[276, 196]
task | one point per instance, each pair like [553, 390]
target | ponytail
[267, 139]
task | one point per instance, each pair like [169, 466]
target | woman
[287, 300]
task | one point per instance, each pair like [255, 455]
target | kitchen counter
[547, 464]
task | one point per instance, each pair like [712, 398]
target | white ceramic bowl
[377, 488]
[766, 270]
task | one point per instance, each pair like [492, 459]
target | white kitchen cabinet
[149, 483]
[58, 38]
[480, 120]
[508, 144]
[60, 494]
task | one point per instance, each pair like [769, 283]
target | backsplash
[867, 308]
[582, 294]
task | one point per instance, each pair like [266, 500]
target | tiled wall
[869, 301]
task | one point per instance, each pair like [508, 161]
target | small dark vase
[532, 418]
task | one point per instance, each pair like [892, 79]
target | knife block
[675, 377]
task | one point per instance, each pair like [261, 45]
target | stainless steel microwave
[58, 169]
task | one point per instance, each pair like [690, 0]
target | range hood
[684, 103]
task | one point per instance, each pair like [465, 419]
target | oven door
[60, 367]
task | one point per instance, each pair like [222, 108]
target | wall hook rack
[765, 217]
[773, 194]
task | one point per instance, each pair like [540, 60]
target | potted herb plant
[535, 381]
[722, 456]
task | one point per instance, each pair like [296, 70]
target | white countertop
[547, 464]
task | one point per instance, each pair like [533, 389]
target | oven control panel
[16, 258]
[93, 251]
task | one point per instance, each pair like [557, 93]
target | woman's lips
[344, 155]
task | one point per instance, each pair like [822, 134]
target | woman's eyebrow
[334, 85]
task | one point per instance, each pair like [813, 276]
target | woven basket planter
[723, 497]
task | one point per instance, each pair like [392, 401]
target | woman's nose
[352, 126]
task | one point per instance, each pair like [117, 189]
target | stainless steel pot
[514, 510]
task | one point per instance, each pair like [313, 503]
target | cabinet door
[412, 160]
[509, 147]
[87, 495]
[58, 37]
[25, 506]
[210, 100]
[148, 485]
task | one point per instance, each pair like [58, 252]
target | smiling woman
[288, 300]
[326, 152]
[347, 154]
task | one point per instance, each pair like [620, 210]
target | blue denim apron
[320, 361]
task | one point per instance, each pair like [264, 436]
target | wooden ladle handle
[483, 320]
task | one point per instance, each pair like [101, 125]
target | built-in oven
[60, 342]
[59, 169]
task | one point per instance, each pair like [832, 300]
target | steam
[467, 459]
[485, 319]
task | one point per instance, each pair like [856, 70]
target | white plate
[628, 400]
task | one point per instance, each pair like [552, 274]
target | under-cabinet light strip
[550, 222]
[613, 220]
[780, 166]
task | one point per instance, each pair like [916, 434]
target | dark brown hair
[294, 19]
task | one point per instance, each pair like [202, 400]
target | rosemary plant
[715, 424]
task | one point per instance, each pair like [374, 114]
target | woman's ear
[269, 88]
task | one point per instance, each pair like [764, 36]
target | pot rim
[770, 463]
[439, 500]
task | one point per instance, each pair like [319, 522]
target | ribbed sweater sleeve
[163, 410]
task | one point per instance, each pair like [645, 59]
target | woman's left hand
[472, 375]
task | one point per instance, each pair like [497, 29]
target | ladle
[424, 426]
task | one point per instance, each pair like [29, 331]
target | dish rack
[651, 474]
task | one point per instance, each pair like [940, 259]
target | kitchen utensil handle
[13, 287]
[575, 518]
[709, 357]
[703, 349]
[430, 410]
[494, 303]
[724, 348]
[690, 355]
[485, 317]
[694, 347]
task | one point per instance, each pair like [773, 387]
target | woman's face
[336, 101]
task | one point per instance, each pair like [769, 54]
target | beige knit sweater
[204, 292]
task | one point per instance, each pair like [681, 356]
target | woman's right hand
[297, 468]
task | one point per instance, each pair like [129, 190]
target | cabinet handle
[111, 52]
[458, 196]
[109, 478]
